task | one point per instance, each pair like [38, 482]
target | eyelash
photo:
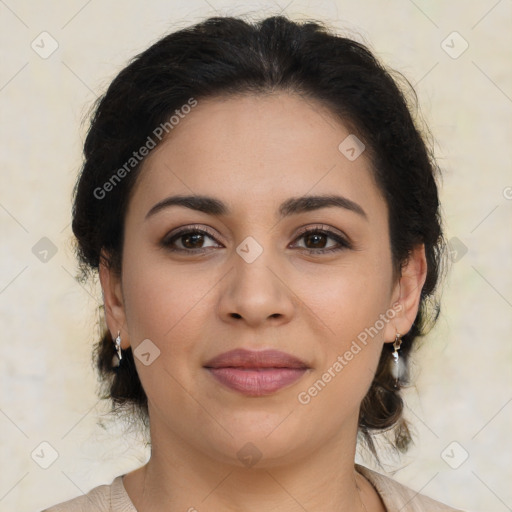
[193, 230]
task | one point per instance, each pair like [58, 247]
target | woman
[264, 217]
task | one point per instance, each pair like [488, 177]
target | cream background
[463, 389]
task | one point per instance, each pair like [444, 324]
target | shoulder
[397, 496]
[104, 498]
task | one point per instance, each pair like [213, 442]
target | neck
[178, 477]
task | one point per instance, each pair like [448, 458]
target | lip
[242, 358]
[256, 373]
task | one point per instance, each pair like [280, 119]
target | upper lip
[242, 358]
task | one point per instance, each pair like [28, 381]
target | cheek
[163, 306]
[164, 303]
[351, 308]
[349, 299]
[354, 305]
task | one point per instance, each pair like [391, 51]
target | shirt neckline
[121, 501]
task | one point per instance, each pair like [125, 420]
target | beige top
[395, 496]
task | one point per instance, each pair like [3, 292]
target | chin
[263, 441]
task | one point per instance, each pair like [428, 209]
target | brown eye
[316, 239]
[191, 240]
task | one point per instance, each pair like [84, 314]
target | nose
[256, 291]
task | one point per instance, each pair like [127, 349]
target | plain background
[461, 406]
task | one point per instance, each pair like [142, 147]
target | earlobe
[409, 286]
[113, 300]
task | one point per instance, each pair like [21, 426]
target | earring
[397, 368]
[116, 359]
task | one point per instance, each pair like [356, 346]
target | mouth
[256, 373]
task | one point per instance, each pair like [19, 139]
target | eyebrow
[292, 206]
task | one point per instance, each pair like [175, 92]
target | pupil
[316, 236]
[187, 238]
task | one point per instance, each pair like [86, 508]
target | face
[201, 280]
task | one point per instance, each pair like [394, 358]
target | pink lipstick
[256, 373]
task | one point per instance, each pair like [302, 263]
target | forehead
[255, 150]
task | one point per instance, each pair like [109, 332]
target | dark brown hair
[227, 56]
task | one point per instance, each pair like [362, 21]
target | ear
[407, 293]
[113, 300]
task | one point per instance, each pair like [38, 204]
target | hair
[227, 56]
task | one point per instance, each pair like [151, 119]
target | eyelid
[321, 227]
[330, 232]
[342, 240]
[187, 229]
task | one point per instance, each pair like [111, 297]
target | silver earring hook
[116, 358]
[118, 345]
[396, 346]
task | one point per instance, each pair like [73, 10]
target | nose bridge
[254, 291]
[253, 263]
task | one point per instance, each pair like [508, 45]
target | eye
[191, 239]
[315, 239]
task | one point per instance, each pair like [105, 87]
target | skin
[254, 152]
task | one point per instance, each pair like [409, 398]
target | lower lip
[257, 381]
